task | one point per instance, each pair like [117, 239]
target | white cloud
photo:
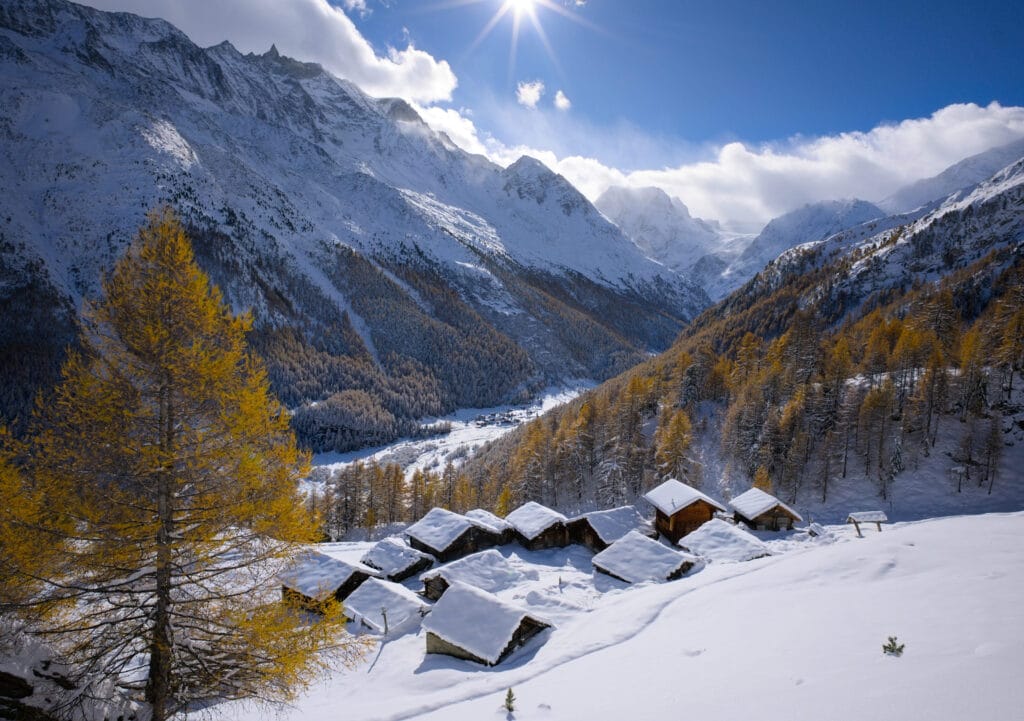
[746, 185]
[311, 30]
[743, 185]
[561, 101]
[357, 6]
[456, 124]
[529, 94]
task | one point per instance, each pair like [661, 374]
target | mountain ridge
[358, 237]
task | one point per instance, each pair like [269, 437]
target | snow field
[794, 635]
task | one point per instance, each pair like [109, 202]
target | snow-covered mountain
[350, 228]
[966, 173]
[664, 230]
[896, 251]
[814, 221]
[660, 225]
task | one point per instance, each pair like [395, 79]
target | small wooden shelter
[313, 578]
[397, 560]
[446, 535]
[636, 557]
[478, 626]
[724, 542]
[763, 512]
[680, 509]
[490, 523]
[385, 607]
[537, 527]
[487, 570]
[876, 517]
[599, 529]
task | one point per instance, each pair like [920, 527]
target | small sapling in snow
[510, 701]
[893, 648]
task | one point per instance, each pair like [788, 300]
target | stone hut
[599, 529]
[537, 527]
[478, 626]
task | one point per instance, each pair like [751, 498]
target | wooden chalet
[599, 529]
[763, 512]
[538, 527]
[396, 560]
[487, 570]
[314, 578]
[680, 509]
[447, 536]
[475, 625]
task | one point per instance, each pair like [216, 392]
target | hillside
[803, 628]
[845, 366]
[391, 275]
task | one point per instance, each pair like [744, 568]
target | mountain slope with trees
[390, 274]
[842, 365]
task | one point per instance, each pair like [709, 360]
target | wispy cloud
[309, 30]
[528, 94]
[561, 101]
[358, 7]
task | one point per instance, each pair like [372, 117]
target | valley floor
[797, 635]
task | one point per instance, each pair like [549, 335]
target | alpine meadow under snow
[307, 412]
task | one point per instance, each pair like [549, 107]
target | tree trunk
[158, 685]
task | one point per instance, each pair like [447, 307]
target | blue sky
[699, 72]
[742, 110]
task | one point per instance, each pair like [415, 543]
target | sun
[521, 7]
[519, 10]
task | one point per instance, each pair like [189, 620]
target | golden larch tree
[170, 475]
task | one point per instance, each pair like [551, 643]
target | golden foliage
[169, 475]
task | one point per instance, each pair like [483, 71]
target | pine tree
[762, 480]
[673, 444]
[169, 475]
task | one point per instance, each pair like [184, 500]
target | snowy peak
[814, 221]
[961, 175]
[530, 179]
[660, 225]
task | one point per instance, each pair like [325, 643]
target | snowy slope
[305, 197]
[660, 225]
[964, 174]
[812, 222]
[923, 245]
[803, 628]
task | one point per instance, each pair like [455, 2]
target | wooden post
[857, 526]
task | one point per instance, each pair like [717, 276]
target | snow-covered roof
[488, 521]
[393, 555]
[488, 570]
[751, 504]
[635, 558]
[868, 517]
[721, 541]
[439, 529]
[317, 576]
[476, 621]
[614, 523]
[366, 602]
[531, 519]
[673, 495]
